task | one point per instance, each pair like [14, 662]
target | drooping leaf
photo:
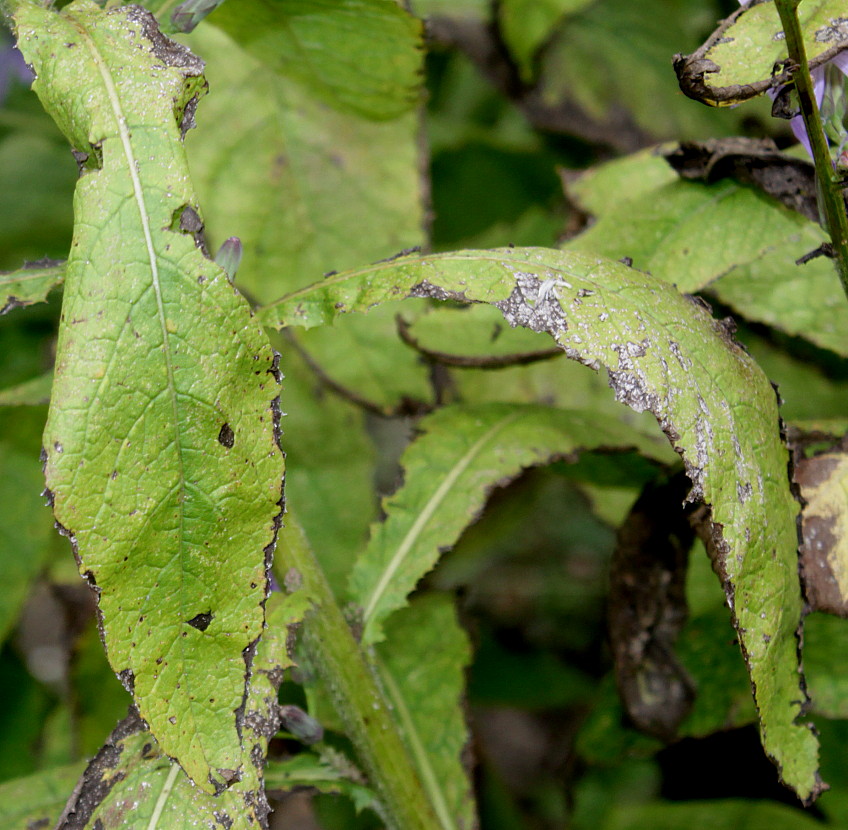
[746, 54]
[306, 203]
[358, 55]
[131, 783]
[37, 800]
[28, 393]
[462, 454]
[160, 445]
[665, 354]
[30, 284]
[422, 666]
[25, 523]
[527, 24]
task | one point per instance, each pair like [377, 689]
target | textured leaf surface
[30, 284]
[160, 444]
[359, 55]
[449, 471]
[270, 168]
[738, 60]
[37, 800]
[422, 665]
[131, 783]
[667, 355]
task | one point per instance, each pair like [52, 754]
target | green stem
[832, 200]
[356, 694]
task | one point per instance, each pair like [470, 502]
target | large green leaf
[422, 667]
[461, 455]
[359, 55]
[271, 169]
[160, 444]
[664, 354]
[746, 54]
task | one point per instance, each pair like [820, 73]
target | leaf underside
[160, 446]
[667, 355]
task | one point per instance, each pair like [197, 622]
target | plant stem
[356, 695]
[829, 187]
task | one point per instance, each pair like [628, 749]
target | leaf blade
[153, 332]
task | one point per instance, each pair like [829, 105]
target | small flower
[12, 68]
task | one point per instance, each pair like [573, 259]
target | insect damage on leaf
[172, 520]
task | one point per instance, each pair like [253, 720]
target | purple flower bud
[304, 727]
[12, 68]
[229, 256]
[188, 14]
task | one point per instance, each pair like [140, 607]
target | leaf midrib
[400, 554]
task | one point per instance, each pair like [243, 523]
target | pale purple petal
[12, 65]
[841, 62]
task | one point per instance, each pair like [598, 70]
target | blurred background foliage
[521, 97]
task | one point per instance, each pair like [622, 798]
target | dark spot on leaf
[201, 621]
[226, 436]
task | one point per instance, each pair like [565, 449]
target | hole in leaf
[226, 436]
[201, 621]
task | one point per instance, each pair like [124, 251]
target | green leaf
[25, 523]
[803, 300]
[37, 800]
[30, 284]
[527, 24]
[672, 228]
[131, 783]
[449, 471]
[665, 354]
[738, 60]
[306, 203]
[325, 772]
[363, 56]
[160, 443]
[422, 665]
[686, 233]
[29, 392]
